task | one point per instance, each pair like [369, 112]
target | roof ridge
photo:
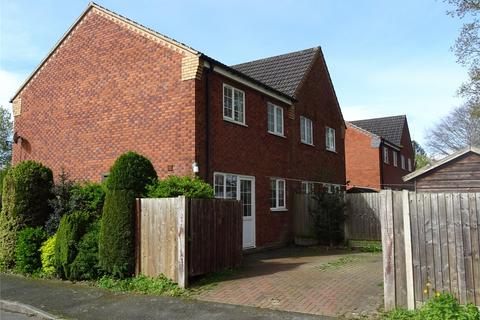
[378, 118]
[276, 56]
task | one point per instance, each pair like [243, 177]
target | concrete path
[75, 301]
[308, 280]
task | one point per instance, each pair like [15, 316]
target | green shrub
[88, 197]
[160, 285]
[9, 228]
[72, 227]
[328, 217]
[85, 266]
[175, 186]
[131, 171]
[27, 251]
[47, 255]
[441, 307]
[26, 191]
[116, 239]
[3, 173]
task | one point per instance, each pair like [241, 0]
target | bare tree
[457, 130]
[467, 49]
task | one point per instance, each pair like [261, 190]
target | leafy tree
[6, 127]
[467, 49]
[421, 158]
[457, 130]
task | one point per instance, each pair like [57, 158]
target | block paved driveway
[307, 280]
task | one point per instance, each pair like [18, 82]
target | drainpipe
[381, 165]
[207, 122]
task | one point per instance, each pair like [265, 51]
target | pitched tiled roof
[389, 128]
[283, 73]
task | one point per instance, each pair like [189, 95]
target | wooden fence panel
[440, 250]
[215, 235]
[363, 216]
[303, 223]
[157, 250]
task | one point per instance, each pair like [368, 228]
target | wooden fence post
[182, 215]
[388, 248]
[408, 250]
[138, 230]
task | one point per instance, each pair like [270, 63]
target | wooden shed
[458, 172]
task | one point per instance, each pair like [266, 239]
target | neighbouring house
[258, 132]
[458, 172]
[378, 153]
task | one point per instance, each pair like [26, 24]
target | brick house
[258, 132]
[378, 153]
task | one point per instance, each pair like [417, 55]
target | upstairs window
[330, 139]
[409, 161]
[306, 130]
[275, 119]
[278, 194]
[385, 155]
[402, 158]
[308, 187]
[395, 158]
[233, 104]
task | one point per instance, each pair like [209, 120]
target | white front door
[247, 198]
[242, 188]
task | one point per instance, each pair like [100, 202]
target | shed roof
[441, 162]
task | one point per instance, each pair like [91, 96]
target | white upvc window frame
[409, 162]
[402, 162]
[278, 182]
[308, 187]
[234, 107]
[385, 155]
[304, 130]
[276, 111]
[331, 187]
[330, 143]
[395, 158]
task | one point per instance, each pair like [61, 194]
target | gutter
[242, 78]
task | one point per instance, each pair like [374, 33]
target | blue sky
[385, 57]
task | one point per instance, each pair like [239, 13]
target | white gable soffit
[132, 25]
[439, 163]
[231, 75]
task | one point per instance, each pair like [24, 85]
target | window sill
[277, 134]
[278, 209]
[308, 144]
[235, 122]
[332, 151]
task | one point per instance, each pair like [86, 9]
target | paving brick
[279, 280]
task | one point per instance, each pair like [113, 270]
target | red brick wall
[362, 159]
[251, 150]
[106, 91]
[392, 176]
